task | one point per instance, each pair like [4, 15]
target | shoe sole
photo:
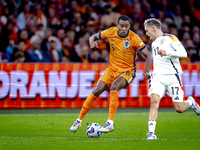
[151, 139]
[106, 131]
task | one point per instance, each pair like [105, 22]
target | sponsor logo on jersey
[126, 44]
[112, 40]
[141, 43]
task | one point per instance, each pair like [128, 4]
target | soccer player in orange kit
[121, 71]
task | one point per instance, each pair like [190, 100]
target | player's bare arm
[162, 53]
[92, 41]
[146, 53]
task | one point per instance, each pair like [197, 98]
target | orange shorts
[110, 75]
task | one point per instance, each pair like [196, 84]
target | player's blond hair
[152, 22]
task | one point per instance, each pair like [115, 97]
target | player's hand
[146, 75]
[93, 45]
[162, 53]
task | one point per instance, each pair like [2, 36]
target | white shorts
[171, 83]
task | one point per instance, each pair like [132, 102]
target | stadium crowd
[59, 30]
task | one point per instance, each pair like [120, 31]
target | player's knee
[114, 87]
[96, 92]
[154, 103]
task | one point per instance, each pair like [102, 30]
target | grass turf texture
[41, 131]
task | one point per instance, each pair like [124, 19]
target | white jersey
[168, 64]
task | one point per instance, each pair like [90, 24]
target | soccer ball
[92, 130]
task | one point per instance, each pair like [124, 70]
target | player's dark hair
[124, 18]
[152, 22]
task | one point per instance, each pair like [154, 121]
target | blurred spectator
[64, 22]
[24, 17]
[39, 16]
[19, 57]
[125, 8]
[81, 7]
[138, 15]
[44, 45]
[192, 50]
[164, 28]
[95, 56]
[104, 57]
[10, 49]
[36, 54]
[177, 16]
[91, 14]
[68, 51]
[160, 16]
[59, 8]
[168, 20]
[53, 18]
[82, 50]
[185, 27]
[185, 38]
[91, 27]
[5, 12]
[109, 18]
[196, 39]
[21, 48]
[2, 5]
[23, 34]
[54, 55]
[195, 29]
[173, 29]
[1, 39]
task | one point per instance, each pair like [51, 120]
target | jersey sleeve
[138, 43]
[179, 50]
[104, 34]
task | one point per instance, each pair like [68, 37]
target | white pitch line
[69, 114]
[74, 138]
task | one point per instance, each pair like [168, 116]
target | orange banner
[46, 85]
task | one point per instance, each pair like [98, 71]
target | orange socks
[114, 102]
[88, 104]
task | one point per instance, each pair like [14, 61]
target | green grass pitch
[49, 131]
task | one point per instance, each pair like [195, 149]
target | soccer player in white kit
[166, 50]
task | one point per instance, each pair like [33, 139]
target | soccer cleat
[194, 105]
[151, 136]
[107, 128]
[75, 126]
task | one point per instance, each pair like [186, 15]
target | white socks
[79, 120]
[110, 121]
[189, 101]
[152, 125]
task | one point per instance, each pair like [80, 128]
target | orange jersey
[122, 50]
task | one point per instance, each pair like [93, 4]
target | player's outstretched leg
[194, 105]
[76, 125]
[88, 104]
